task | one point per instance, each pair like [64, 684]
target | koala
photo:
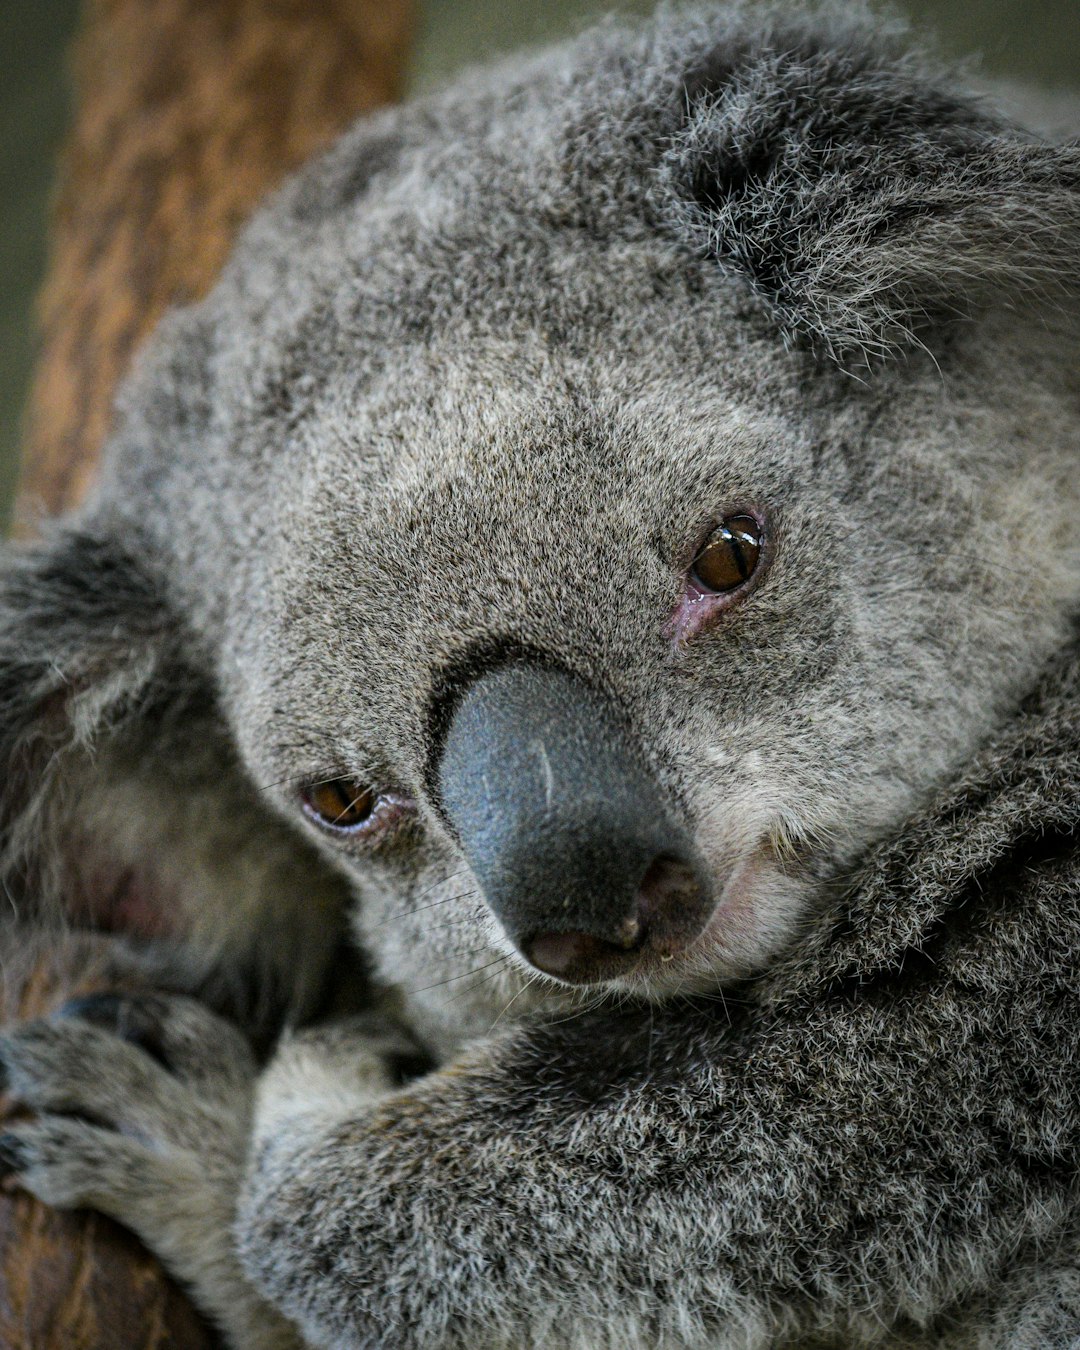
[607, 553]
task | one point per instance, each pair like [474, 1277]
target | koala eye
[345, 806]
[339, 804]
[730, 555]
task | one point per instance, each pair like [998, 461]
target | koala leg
[143, 1109]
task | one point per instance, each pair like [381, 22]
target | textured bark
[187, 112]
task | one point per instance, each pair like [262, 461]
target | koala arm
[651, 1179]
[853, 1163]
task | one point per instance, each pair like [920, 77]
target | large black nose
[573, 843]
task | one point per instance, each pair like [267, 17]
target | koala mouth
[690, 938]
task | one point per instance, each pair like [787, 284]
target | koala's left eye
[730, 555]
[339, 804]
[348, 807]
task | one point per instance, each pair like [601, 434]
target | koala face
[607, 502]
[514, 705]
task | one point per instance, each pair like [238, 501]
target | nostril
[667, 889]
[579, 956]
[666, 914]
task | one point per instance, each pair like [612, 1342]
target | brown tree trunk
[187, 112]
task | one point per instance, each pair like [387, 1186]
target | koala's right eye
[727, 565]
[339, 804]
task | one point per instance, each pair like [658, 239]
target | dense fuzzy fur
[875, 1144]
[854, 1147]
[472, 389]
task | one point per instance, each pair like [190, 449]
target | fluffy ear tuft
[861, 196]
[123, 805]
[80, 630]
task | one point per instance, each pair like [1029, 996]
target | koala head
[594, 506]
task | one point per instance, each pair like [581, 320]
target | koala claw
[181, 1034]
[165, 1071]
[143, 1112]
[69, 1163]
[125, 1089]
[13, 1155]
[139, 1021]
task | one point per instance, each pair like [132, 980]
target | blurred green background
[1028, 40]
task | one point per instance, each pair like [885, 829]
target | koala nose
[575, 847]
[667, 894]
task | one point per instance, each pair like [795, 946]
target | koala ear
[123, 804]
[81, 628]
[862, 196]
[80, 623]
[342, 175]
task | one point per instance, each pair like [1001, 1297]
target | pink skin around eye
[391, 809]
[697, 608]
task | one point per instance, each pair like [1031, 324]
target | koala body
[596, 507]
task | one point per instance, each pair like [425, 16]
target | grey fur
[471, 390]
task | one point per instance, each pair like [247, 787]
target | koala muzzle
[569, 837]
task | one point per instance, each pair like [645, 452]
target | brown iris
[340, 803]
[730, 555]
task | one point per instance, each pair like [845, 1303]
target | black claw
[14, 1155]
[102, 1010]
[134, 1019]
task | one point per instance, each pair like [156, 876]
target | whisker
[293, 778]
[532, 979]
[440, 927]
[443, 881]
[355, 801]
[452, 979]
[590, 1004]
[276, 782]
[471, 988]
[421, 909]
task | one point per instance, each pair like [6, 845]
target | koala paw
[146, 1108]
[145, 1080]
[142, 1111]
